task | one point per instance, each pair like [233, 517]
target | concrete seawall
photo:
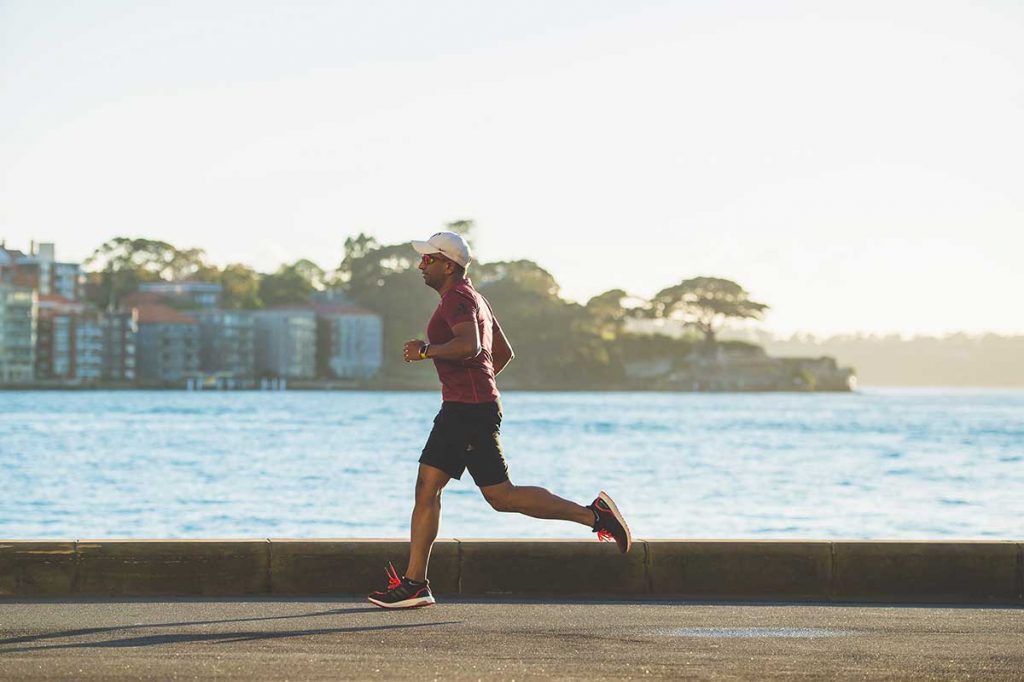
[721, 570]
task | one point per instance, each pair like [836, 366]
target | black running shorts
[465, 436]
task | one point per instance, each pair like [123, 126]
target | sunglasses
[430, 258]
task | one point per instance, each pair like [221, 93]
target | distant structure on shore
[742, 368]
[168, 334]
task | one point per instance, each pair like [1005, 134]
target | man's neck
[450, 284]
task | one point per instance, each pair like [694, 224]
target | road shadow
[135, 626]
[218, 637]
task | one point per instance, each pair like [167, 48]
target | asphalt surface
[346, 638]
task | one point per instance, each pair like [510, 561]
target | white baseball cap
[448, 244]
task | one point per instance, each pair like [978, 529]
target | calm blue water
[877, 464]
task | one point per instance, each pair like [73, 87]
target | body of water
[875, 464]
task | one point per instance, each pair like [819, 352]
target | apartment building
[350, 341]
[18, 311]
[285, 343]
[227, 343]
[167, 345]
[40, 270]
[76, 342]
[120, 331]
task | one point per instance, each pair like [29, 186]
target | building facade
[167, 346]
[40, 270]
[120, 330]
[87, 336]
[285, 343]
[75, 342]
[53, 345]
[67, 280]
[350, 342]
[18, 311]
[227, 346]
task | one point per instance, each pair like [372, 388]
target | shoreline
[25, 388]
[12, 389]
[398, 387]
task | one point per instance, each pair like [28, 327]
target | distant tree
[311, 272]
[556, 342]
[241, 287]
[610, 311]
[466, 228]
[149, 259]
[122, 263]
[291, 284]
[367, 262]
[191, 265]
[356, 248]
[385, 279]
[705, 303]
[360, 245]
[525, 275]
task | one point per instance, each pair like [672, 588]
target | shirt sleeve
[458, 309]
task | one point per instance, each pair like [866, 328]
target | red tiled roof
[156, 313]
[54, 304]
[137, 298]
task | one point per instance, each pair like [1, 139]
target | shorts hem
[484, 485]
[457, 477]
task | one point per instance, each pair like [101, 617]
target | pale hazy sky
[857, 165]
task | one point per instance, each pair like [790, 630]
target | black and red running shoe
[609, 524]
[402, 593]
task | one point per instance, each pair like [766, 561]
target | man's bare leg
[535, 502]
[426, 518]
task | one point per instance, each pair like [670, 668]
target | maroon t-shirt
[470, 380]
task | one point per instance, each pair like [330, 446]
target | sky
[859, 166]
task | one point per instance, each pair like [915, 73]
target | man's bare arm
[501, 350]
[464, 345]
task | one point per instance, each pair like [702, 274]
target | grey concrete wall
[718, 570]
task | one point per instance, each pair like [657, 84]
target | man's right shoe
[402, 593]
[609, 524]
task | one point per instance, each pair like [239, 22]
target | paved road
[464, 639]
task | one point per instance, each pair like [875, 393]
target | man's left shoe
[609, 524]
[402, 593]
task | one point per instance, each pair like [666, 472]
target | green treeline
[559, 343]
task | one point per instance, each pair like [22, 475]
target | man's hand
[412, 350]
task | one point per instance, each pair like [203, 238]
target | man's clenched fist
[412, 350]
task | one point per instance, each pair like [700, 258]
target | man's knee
[427, 492]
[501, 498]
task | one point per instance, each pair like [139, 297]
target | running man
[469, 349]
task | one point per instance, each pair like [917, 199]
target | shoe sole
[406, 604]
[618, 517]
